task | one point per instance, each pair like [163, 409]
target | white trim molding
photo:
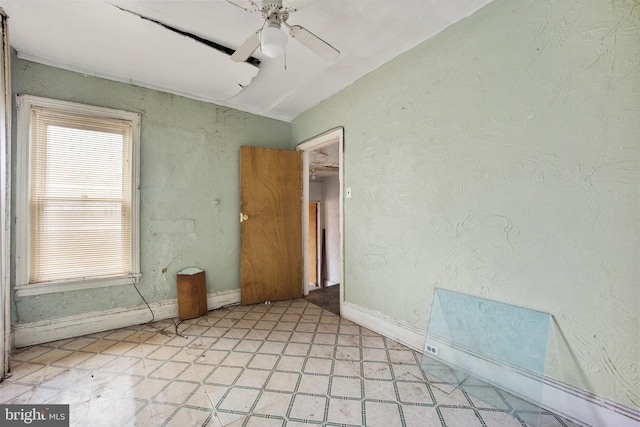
[27, 334]
[396, 330]
[570, 402]
[74, 285]
[23, 287]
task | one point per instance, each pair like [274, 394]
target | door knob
[243, 217]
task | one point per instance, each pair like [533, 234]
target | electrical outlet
[432, 350]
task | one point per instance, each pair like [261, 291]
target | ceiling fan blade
[242, 4]
[247, 48]
[314, 43]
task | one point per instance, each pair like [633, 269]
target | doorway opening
[322, 201]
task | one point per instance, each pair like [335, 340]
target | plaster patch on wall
[482, 250]
[171, 226]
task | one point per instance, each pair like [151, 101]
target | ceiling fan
[272, 40]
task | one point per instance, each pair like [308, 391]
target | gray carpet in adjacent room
[327, 298]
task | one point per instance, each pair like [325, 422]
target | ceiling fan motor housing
[268, 5]
[273, 11]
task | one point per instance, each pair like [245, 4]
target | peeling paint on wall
[189, 187]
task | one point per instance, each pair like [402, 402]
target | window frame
[22, 286]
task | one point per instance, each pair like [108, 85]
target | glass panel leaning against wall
[77, 196]
[493, 351]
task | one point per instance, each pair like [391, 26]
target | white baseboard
[26, 334]
[397, 330]
[565, 400]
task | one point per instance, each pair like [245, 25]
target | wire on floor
[153, 316]
[180, 322]
[177, 333]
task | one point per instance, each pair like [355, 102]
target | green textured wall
[190, 186]
[501, 159]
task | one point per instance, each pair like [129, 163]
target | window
[77, 202]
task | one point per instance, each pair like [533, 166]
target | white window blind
[77, 196]
[80, 197]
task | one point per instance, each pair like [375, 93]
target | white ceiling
[99, 38]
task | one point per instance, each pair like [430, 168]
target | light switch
[348, 192]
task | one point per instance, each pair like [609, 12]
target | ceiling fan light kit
[273, 41]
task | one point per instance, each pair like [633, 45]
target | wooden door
[313, 243]
[271, 224]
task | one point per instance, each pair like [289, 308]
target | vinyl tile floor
[286, 363]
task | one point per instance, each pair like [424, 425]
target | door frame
[333, 136]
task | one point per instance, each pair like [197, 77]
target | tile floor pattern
[288, 363]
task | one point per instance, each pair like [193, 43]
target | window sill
[75, 285]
